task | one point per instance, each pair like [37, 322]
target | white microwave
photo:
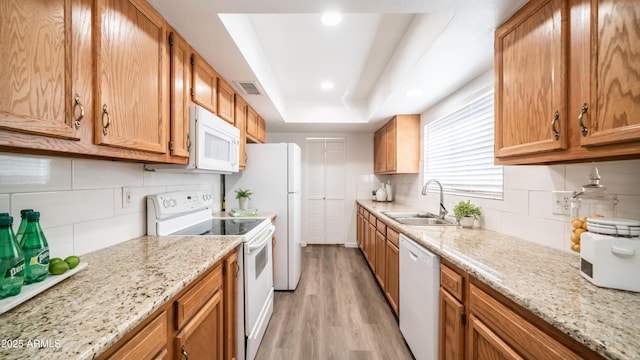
[215, 145]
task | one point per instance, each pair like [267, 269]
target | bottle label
[17, 270]
[41, 259]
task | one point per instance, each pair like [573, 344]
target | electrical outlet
[561, 203]
[127, 195]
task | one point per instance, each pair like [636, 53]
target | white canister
[381, 194]
[389, 190]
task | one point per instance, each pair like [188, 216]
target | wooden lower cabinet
[392, 285]
[198, 323]
[203, 336]
[148, 343]
[379, 245]
[477, 322]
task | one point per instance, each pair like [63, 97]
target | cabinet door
[379, 151]
[252, 124]
[131, 63]
[380, 270]
[240, 121]
[391, 133]
[230, 305]
[613, 115]
[203, 336]
[204, 85]
[531, 77]
[225, 101]
[371, 245]
[392, 285]
[39, 92]
[180, 143]
[451, 327]
[485, 344]
[262, 130]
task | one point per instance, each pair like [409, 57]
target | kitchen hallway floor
[338, 311]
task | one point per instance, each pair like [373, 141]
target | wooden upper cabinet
[601, 85]
[380, 151]
[240, 116]
[38, 56]
[225, 101]
[262, 130]
[132, 65]
[613, 113]
[252, 124]
[179, 142]
[397, 146]
[531, 78]
[204, 86]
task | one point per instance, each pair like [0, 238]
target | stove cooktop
[222, 227]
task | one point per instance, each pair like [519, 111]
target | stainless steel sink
[417, 218]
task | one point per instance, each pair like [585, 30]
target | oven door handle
[258, 244]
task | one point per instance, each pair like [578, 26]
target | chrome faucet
[443, 210]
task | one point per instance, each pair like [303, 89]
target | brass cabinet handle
[583, 111]
[79, 119]
[105, 111]
[188, 142]
[556, 133]
[184, 352]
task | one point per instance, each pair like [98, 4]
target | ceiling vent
[249, 88]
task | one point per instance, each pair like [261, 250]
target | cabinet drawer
[521, 335]
[393, 236]
[147, 342]
[372, 218]
[189, 304]
[382, 227]
[451, 281]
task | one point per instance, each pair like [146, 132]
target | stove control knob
[173, 202]
[165, 203]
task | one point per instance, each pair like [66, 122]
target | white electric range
[190, 213]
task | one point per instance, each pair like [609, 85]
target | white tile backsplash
[94, 174]
[81, 200]
[24, 173]
[526, 210]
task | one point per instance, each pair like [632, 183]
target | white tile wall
[81, 200]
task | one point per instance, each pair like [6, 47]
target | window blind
[459, 151]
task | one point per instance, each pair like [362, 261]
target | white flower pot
[467, 222]
[244, 203]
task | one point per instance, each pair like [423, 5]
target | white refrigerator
[273, 174]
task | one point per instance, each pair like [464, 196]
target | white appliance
[190, 213]
[419, 286]
[273, 174]
[214, 145]
[610, 253]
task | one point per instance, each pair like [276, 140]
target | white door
[324, 191]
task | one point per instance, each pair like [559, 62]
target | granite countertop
[543, 280]
[82, 316]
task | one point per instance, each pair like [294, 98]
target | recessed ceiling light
[326, 85]
[331, 18]
[413, 93]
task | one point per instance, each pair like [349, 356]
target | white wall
[525, 211]
[359, 163]
[80, 201]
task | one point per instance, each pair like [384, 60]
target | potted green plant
[243, 196]
[466, 213]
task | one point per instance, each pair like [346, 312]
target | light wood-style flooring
[337, 312]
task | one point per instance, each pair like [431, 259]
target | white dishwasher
[419, 294]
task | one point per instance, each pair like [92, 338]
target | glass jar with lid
[592, 202]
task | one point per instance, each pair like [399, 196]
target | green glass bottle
[35, 249]
[11, 259]
[23, 225]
